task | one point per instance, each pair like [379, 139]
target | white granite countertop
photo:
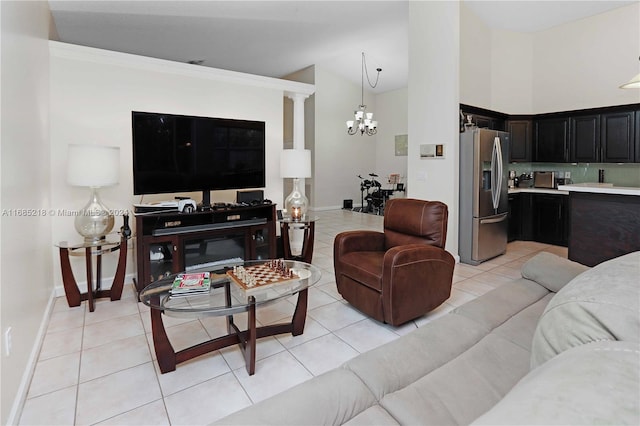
[538, 191]
[600, 188]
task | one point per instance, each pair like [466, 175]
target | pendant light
[363, 121]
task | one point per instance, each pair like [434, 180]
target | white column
[298, 119]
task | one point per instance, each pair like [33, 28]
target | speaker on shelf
[250, 197]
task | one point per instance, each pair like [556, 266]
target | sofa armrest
[551, 271]
[350, 241]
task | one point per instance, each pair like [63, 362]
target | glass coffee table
[225, 298]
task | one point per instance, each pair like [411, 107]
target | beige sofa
[520, 354]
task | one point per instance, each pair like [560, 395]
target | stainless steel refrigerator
[483, 206]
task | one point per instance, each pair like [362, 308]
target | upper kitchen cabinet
[585, 139]
[551, 140]
[617, 137]
[520, 133]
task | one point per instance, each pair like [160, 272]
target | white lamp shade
[93, 165]
[295, 163]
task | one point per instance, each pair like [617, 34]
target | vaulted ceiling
[276, 38]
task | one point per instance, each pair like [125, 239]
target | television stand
[170, 242]
[205, 206]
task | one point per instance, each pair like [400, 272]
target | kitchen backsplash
[617, 174]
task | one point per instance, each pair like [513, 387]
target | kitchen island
[604, 221]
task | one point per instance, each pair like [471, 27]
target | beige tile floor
[100, 367]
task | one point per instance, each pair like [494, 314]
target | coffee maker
[513, 179]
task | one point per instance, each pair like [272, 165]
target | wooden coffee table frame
[168, 358]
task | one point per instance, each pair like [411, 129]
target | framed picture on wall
[401, 145]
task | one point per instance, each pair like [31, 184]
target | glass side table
[308, 227]
[90, 249]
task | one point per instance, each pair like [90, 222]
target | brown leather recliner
[399, 274]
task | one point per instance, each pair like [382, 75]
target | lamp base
[296, 204]
[94, 220]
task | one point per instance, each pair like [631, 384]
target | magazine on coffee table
[188, 284]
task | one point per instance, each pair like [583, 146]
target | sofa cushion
[568, 389]
[462, 389]
[329, 399]
[551, 271]
[602, 303]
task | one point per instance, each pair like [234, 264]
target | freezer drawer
[491, 237]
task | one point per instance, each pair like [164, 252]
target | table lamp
[93, 166]
[296, 164]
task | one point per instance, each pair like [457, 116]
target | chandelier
[363, 121]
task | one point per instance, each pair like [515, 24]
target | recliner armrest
[424, 257]
[350, 241]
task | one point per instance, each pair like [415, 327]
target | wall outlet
[7, 341]
[567, 175]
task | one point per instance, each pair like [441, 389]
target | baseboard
[23, 389]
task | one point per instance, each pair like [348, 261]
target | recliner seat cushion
[364, 267]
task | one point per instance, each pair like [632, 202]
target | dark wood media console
[171, 242]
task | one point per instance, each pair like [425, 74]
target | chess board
[265, 276]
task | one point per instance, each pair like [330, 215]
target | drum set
[371, 191]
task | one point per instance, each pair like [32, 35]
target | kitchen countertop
[600, 188]
[538, 191]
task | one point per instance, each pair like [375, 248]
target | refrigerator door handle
[496, 173]
[502, 218]
[498, 143]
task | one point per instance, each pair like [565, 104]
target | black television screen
[177, 153]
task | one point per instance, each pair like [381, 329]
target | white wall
[582, 64]
[571, 66]
[475, 60]
[511, 72]
[25, 253]
[339, 158]
[93, 93]
[434, 42]
[391, 113]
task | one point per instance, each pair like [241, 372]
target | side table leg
[307, 242]
[89, 266]
[250, 344]
[118, 279]
[71, 290]
[286, 243]
[300, 314]
[164, 351]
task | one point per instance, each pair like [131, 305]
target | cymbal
[373, 175]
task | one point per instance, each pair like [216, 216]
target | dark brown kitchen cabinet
[520, 133]
[585, 139]
[618, 137]
[550, 219]
[551, 140]
[514, 218]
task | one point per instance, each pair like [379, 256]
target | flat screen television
[179, 153]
